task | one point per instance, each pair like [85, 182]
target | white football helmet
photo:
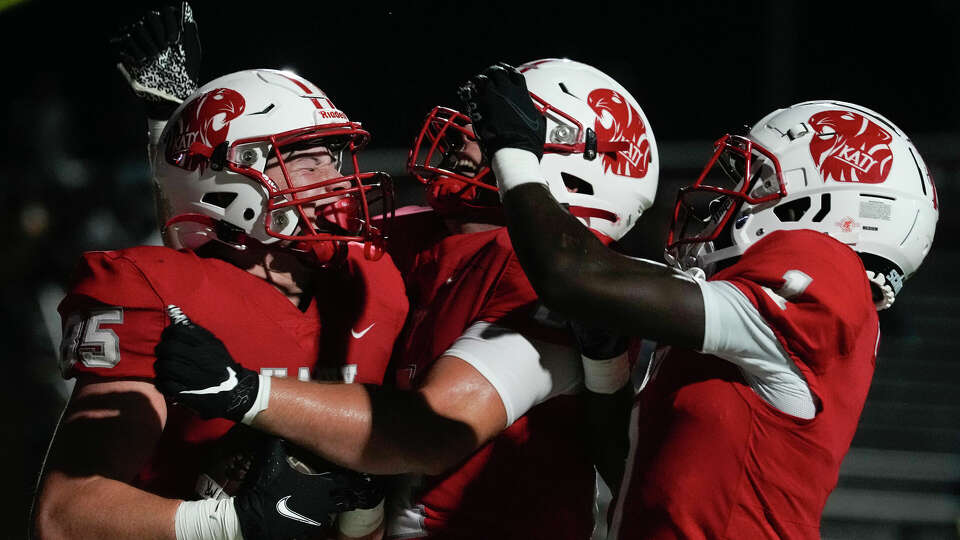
[211, 160]
[829, 166]
[600, 155]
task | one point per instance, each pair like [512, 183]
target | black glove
[502, 111]
[598, 343]
[194, 368]
[159, 55]
[286, 498]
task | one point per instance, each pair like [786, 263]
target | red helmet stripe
[305, 88]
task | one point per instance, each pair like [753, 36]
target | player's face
[306, 167]
[470, 154]
[465, 156]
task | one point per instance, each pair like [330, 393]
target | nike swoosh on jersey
[361, 333]
[225, 386]
[285, 511]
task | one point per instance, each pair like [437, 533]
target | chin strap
[886, 295]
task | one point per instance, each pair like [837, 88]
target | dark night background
[75, 177]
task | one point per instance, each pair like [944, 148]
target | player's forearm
[372, 430]
[98, 507]
[576, 275]
[549, 242]
[607, 433]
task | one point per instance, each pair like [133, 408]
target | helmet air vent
[576, 184]
[267, 109]
[793, 210]
[824, 208]
[563, 87]
[220, 199]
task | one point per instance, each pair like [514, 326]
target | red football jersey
[534, 480]
[115, 312]
[710, 458]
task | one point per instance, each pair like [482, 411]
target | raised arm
[572, 271]
[576, 275]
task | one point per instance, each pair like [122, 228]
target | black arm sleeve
[577, 276]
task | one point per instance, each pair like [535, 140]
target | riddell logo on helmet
[205, 120]
[850, 148]
[617, 120]
[332, 114]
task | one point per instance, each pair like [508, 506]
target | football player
[602, 152]
[260, 191]
[785, 247]
[476, 352]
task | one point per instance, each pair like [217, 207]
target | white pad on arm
[360, 522]
[208, 519]
[524, 371]
[735, 331]
[260, 402]
[513, 167]
[606, 376]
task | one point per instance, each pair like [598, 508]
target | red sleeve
[112, 320]
[812, 291]
[512, 303]
[511, 298]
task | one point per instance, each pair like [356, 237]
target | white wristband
[261, 401]
[358, 523]
[606, 376]
[209, 519]
[513, 167]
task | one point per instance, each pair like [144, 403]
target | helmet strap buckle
[590, 146]
[218, 158]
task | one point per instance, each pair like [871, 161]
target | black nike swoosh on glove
[530, 122]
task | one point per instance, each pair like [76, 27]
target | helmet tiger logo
[205, 120]
[617, 120]
[848, 147]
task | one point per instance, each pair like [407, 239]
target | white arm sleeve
[210, 519]
[524, 371]
[154, 130]
[736, 332]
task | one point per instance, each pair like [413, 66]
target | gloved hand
[195, 369]
[606, 367]
[502, 112]
[159, 55]
[286, 498]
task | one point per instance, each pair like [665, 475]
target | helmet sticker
[617, 120]
[206, 120]
[876, 210]
[847, 224]
[848, 147]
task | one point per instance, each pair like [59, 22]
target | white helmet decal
[849, 147]
[618, 120]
